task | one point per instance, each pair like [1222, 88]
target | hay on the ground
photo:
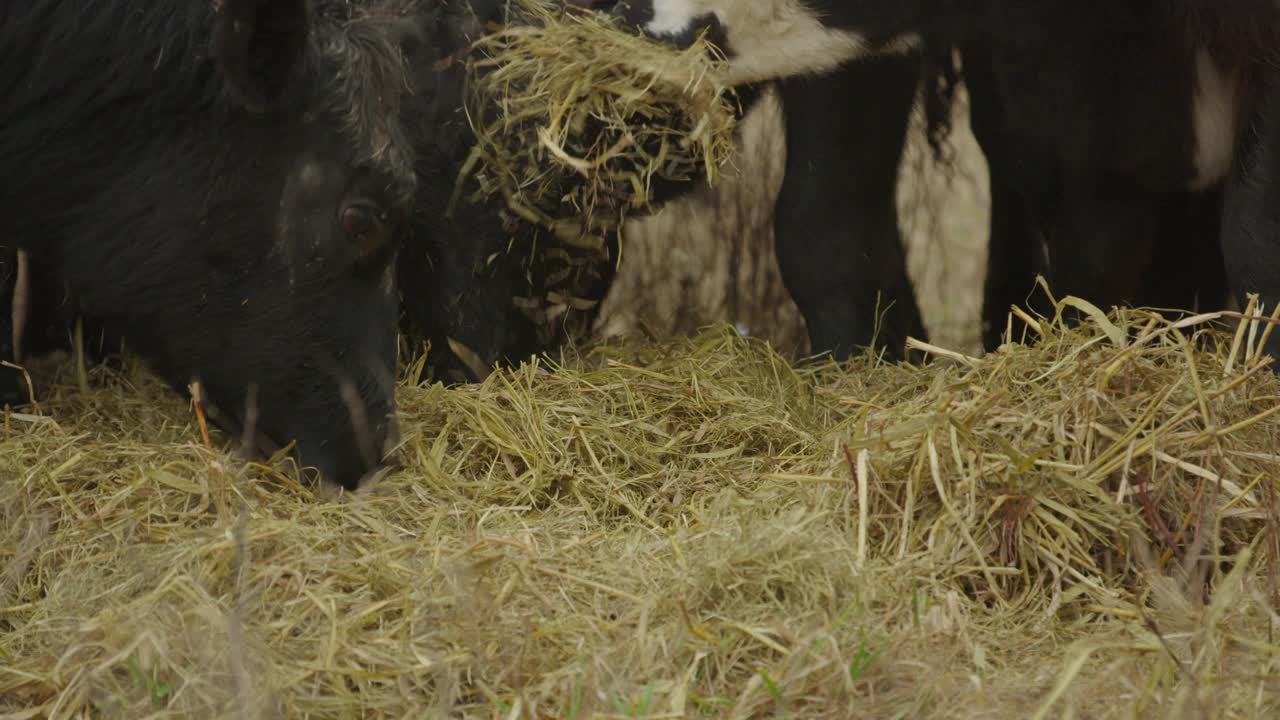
[577, 117]
[695, 529]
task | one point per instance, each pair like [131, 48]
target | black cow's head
[471, 271]
[238, 192]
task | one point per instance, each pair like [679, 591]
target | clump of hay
[576, 117]
[695, 529]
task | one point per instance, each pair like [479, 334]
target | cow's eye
[366, 226]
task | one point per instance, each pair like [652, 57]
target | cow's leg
[458, 285]
[1251, 224]
[1150, 250]
[836, 222]
[12, 390]
[1016, 250]
[1101, 245]
[1015, 255]
[1187, 270]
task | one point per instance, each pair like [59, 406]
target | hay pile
[576, 118]
[687, 530]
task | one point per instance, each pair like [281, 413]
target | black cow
[224, 184]
[836, 221]
[462, 271]
[1109, 128]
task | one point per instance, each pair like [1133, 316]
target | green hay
[576, 118]
[693, 529]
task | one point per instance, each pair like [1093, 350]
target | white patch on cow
[772, 39]
[1215, 115]
[672, 17]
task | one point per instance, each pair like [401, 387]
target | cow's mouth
[257, 445]
[254, 443]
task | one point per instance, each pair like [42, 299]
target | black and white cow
[1110, 129]
[225, 184]
[836, 225]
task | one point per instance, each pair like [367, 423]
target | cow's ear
[257, 43]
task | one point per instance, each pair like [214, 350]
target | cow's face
[254, 247]
[311, 325]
